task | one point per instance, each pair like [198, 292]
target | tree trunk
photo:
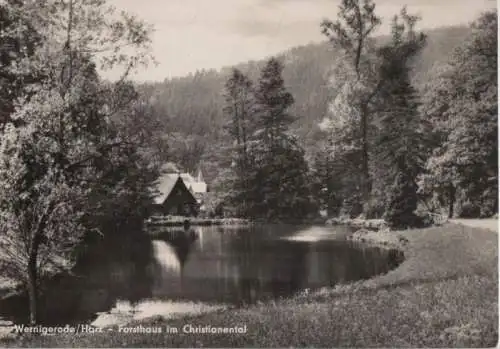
[451, 201]
[365, 172]
[33, 272]
[32, 288]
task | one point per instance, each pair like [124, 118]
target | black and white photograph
[249, 173]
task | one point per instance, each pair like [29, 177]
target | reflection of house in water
[178, 242]
[171, 250]
[166, 257]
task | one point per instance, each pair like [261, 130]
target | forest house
[174, 197]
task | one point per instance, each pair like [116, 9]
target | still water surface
[172, 271]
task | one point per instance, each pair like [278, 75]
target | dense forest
[191, 107]
[405, 124]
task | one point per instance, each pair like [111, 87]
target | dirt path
[489, 223]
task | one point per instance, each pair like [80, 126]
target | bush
[402, 203]
[374, 209]
[489, 203]
[352, 207]
[487, 211]
[469, 210]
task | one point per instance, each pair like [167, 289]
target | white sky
[196, 34]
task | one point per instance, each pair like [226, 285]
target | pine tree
[399, 144]
[272, 104]
[402, 201]
[280, 184]
[239, 109]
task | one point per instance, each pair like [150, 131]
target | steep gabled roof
[167, 181]
[187, 178]
[165, 185]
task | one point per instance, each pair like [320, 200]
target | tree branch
[73, 165]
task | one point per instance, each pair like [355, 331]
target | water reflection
[115, 268]
[171, 248]
[124, 312]
[166, 256]
[111, 268]
[180, 241]
[242, 265]
[173, 269]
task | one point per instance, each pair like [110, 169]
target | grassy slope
[489, 223]
[443, 295]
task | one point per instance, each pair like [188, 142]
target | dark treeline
[191, 107]
[390, 127]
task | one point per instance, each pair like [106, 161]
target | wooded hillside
[192, 106]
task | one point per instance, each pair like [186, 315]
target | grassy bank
[443, 295]
[383, 238]
[358, 223]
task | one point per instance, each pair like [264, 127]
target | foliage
[280, 186]
[373, 118]
[462, 103]
[240, 111]
[184, 150]
[272, 103]
[402, 202]
[18, 38]
[352, 33]
[326, 186]
[400, 144]
[267, 178]
[193, 105]
[70, 165]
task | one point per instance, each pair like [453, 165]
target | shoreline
[447, 288]
[358, 223]
[386, 239]
[193, 221]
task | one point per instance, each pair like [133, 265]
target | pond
[171, 271]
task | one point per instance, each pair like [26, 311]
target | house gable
[174, 197]
[180, 189]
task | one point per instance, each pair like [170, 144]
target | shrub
[402, 203]
[374, 209]
[469, 210]
[352, 207]
[489, 203]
